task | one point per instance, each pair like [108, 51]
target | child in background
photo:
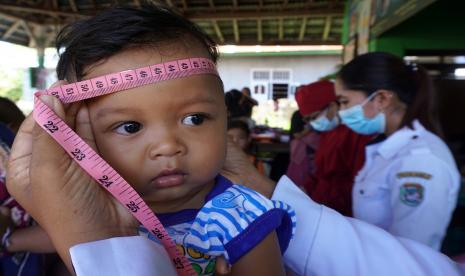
[168, 139]
[239, 133]
[313, 101]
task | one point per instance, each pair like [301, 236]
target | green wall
[439, 26]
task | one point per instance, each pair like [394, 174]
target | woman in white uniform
[409, 183]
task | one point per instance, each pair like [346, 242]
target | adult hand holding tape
[41, 176]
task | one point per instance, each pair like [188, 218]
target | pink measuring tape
[92, 163]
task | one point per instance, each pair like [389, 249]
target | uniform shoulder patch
[411, 194]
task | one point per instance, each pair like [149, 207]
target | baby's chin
[174, 199]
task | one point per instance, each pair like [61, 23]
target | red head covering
[315, 96]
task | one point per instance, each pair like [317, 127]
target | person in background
[232, 99]
[297, 125]
[10, 114]
[239, 133]
[339, 157]
[409, 182]
[312, 100]
[239, 106]
[247, 102]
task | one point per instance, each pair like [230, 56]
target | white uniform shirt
[325, 243]
[408, 186]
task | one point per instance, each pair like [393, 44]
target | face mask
[355, 119]
[323, 124]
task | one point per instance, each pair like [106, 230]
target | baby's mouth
[169, 178]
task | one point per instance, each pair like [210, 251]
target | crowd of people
[370, 188]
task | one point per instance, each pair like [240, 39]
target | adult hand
[56, 192]
[240, 170]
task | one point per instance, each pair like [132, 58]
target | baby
[168, 139]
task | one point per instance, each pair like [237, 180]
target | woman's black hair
[89, 41]
[232, 99]
[410, 82]
[10, 114]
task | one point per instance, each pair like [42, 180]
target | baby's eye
[194, 120]
[128, 128]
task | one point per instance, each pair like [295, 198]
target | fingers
[222, 267]
[45, 150]
[22, 145]
[18, 180]
[84, 127]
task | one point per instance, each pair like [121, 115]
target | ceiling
[34, 23]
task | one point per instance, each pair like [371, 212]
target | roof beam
[55, 4]
[94, 5]
[11, 30]
[283, 42]
[234, 4]
[14, 18]
[218, 15]
[32, 37]
[40, 11]
[218, 31]
[281, 28]
[211, 3]
[259, 30]
[327, 28]
[303, 28]
[184, 4]
[236, 31]
[272, 6]
[73, 5]
[169, 2]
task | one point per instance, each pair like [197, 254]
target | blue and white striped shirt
[233, 220]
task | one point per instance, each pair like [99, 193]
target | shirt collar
[188, 215]
[395, 142]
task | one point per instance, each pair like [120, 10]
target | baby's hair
[232, 124]
[93, 40]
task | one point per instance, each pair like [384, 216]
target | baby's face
[166, 139]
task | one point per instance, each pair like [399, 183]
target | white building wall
[236, 71]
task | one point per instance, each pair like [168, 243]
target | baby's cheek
[211, 158]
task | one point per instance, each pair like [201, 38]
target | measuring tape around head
[92, 163]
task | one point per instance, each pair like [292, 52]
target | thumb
[44, 148]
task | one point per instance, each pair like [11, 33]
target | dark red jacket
[339, 157]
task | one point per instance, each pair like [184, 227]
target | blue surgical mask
[323, 124]
[355, 119]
